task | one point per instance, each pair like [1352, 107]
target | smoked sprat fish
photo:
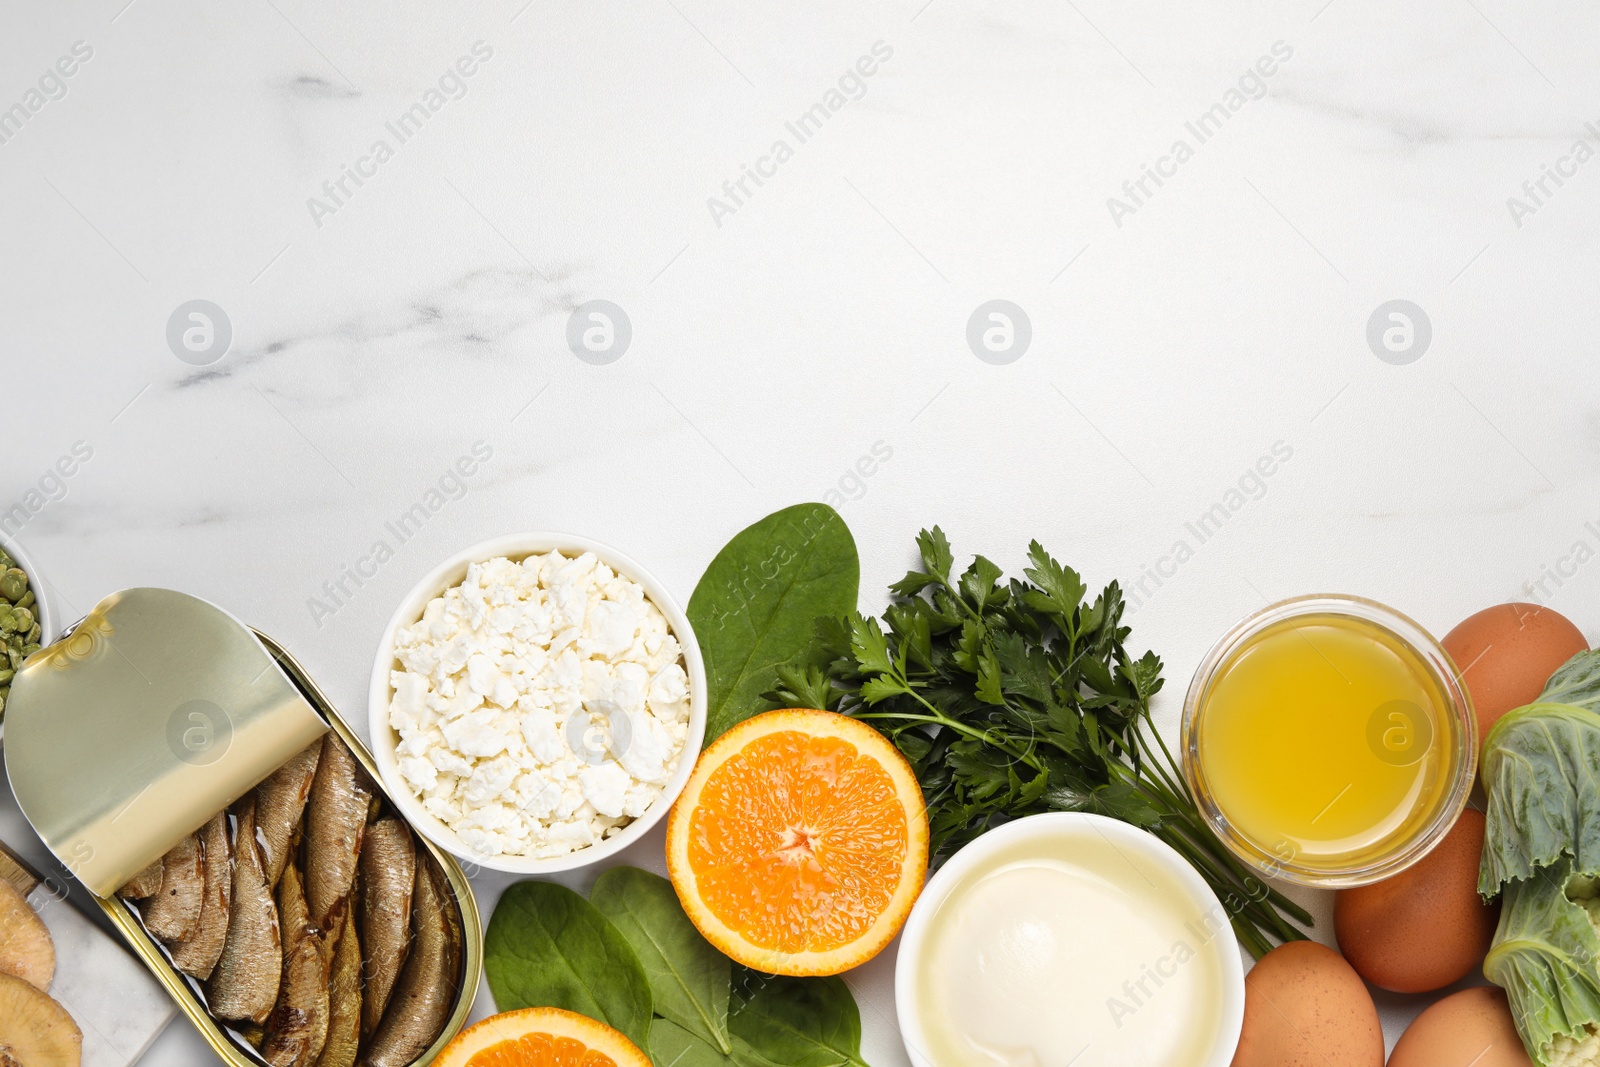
[197, 954]
[280, 801]
[244, 984]
[294, 918]
[428, 985]
[322, 932]
[173, 913]
[144, 884]
[336, 818]
[344, 999]
[388, 868]
[298, 1025]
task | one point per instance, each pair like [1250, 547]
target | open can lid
[143, 721]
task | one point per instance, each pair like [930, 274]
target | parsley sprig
[1018, 698]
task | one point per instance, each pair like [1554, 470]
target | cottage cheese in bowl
[539, 706]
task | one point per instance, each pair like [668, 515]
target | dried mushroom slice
[26, 948]
[35, 1031]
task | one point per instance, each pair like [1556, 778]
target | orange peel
[541, 1037]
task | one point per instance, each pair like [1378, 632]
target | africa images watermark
[852, 484]
[51, 86]
[50, 487]
[738, 593]
[1538, 191]
[452, 85]
[1152, 975]
[1250, 486]
[1252, 85]
[850, 88]
[1553, 576]
[450, 486]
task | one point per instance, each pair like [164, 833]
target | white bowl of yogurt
[537, 703]
[1069, 940]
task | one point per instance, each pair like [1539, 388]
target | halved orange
[800, 842]
[541, 1037]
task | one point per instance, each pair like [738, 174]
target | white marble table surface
[787, 330]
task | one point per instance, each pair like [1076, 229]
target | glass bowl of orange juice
[1329, 740]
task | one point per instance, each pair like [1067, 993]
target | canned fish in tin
[237, 834]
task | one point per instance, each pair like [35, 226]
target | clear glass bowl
[1456, 745]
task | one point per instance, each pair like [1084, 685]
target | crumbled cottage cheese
[542, 705]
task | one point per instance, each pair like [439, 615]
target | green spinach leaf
[756, 606]
[673, 1046]
[632, 952]
[688, 977]
[548, 947]
[798, 1022]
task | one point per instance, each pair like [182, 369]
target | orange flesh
[798, 842]
[541, 1050]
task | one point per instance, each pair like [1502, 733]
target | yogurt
[1071, 949]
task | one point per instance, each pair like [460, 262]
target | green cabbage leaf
[1540, 768]
[1546, 955]
[1577, 681]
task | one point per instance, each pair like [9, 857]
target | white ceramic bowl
[1134, 844]
[450, 573]
[43, 608]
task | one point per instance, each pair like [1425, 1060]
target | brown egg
[1472, 1028]
[1305, 1007]
[1426, 927]
[1506, 653]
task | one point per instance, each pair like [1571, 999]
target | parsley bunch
[1018, 698]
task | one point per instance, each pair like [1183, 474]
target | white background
[827, 314]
